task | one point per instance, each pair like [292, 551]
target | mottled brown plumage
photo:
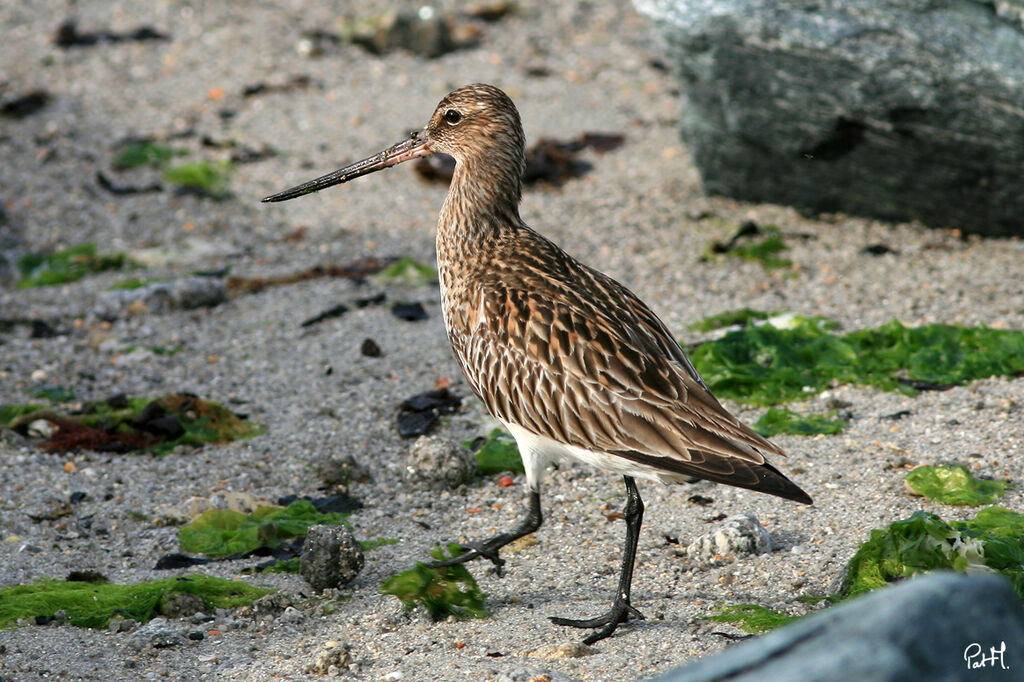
[572, 362]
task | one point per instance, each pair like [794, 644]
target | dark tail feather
[763, 478]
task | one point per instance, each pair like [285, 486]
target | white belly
[536, 451]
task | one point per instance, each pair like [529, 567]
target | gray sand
[638, 215]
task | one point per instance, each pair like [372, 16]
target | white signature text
[975, 658]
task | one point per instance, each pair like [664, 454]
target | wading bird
[571, 362]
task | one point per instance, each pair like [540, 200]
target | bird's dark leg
[488, 549]
[621, 610]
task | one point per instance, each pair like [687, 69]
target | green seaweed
[68, 265]
[993, 541]
[203, 177]
[143, 153]
[370, 545]
[406, 271]
[204, 421]
[780, 420]
[763, 249]
[8, 413]
[954, 484]
[55, 394]
[730, 318]
[222, 532]
[93, 604]
[102, 425]
[752, 618]
[438, 589]
[497, 454]
[768, 365]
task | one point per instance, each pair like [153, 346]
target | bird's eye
[452, 116]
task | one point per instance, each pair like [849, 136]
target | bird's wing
[599, 370]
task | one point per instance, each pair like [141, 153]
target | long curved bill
[416, 146]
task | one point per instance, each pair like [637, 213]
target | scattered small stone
[196, 636]
[739, 535]
[437, 464]
[334, 659]
[118, 625]
[558, 652]
[180, 604]
[186, 293]
[314, 42]
[410, 312]
[50, 508]
[701, 500]
[41, 428]
[342, 471]
[523, 674]
[193, 507]
[331, 557]
[370, 349]
[268, 605]
[157, 634]
[424, 32]
[292, 615]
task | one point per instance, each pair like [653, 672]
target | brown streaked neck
[482, 203]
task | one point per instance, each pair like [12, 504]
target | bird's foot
[620, 612]
[485, 549]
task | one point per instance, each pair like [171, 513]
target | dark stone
[334, 311]
[155, 419]
[410, 312]
[376, 299]
[369, 348]
[23, 106]
[179, 560]
[921, 629]
[895, 109]
[331, 557]
[878, 250]
[420, 412]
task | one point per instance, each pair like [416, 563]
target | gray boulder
[928, 628]
[896, 109]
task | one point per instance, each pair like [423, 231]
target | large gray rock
[897, 109]
[926, 628]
